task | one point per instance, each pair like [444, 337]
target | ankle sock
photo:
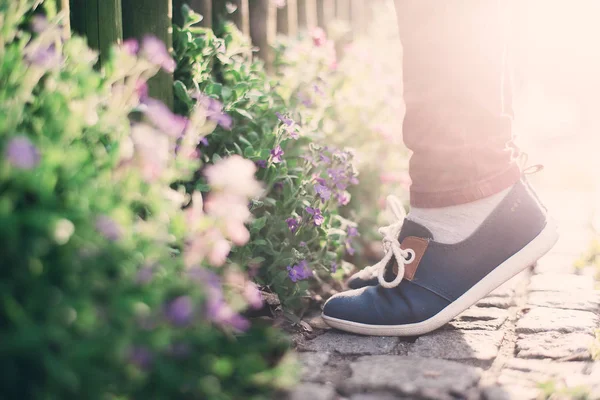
[455, 223]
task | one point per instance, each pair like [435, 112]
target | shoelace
[391, 246]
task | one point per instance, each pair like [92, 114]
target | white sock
[455, 223]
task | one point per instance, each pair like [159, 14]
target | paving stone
[477, 318]
[312, 365]
[494, 301]
[410, 376]
[554, 345]
[584, 300]
[522, 377]
[561, 283]
[312, 391]
[344, 343]
[458, 345]
[375, 396]
[542, 319]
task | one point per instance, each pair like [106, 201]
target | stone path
[526, 340]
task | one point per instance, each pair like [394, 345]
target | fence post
[287, 18]
[342, 10]
[325, 12]
[100, 21]
[241, 16]
[151, 17]
[359, 16]
[263, 28]
[307, 14]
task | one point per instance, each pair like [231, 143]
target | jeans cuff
[477, 190]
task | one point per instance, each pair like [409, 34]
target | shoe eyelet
[411, 256]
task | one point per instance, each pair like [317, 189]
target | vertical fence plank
[325, 12]
[307, 14]
[287, 18]
[203, 7]
[241, 15]
[263, 28]
[359, 16]
[151, 17]
[342, 10]
[100, 21]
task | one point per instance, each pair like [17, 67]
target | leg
[456, 91]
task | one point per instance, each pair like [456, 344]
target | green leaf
[182, 94]
[243, 113]
[258, 224]
[249, 152]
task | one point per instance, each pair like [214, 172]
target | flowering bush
[104, 290]
[296, 232]
[355, 101]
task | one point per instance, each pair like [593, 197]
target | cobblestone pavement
[528, 338]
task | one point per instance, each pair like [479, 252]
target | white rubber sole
[528, 255]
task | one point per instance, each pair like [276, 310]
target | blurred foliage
[95, 302]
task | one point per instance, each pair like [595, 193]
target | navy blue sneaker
[423, 284]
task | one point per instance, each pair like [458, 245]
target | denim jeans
[457, 92]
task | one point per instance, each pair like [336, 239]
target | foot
[423, 284]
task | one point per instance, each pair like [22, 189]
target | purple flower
[305, 100]
[141, 357]
[343, 198]
[289, 124]
[302, 244]
[131, 46]
[293, 224]
[180, 350]
[159, 114]
[349, 248]
[45, 57]
[156, 52]
[253, 296]
[144, 275]
[108, 228]
[320, 181]
[324, 159]
[204, 142]
[323, 192]
[299, 272]
[352, 231]
[39, 24]
[277, 153]
[214, 110]
[180, 311]
[221, 313]
[21, 153]
[318, 90]
[334, 267]
[261, 163]
[318, 218]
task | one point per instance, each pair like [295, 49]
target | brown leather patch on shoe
[418, 245]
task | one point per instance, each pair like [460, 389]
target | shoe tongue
[411, 228]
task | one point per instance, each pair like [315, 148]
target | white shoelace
[391, 246]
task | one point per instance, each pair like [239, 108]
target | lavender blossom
[261, 163]
[21, 153]
[299, 272]
[293, 224]
[323, 192]
[334, 267]
[277, 154]
[46, 57]
[318, 218]
[108, 228]
[180, 311]
[214, 111]
[141, 357]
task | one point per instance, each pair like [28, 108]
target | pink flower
[209, 244]
[152, 151]
[319, 37]
[234, 175]
[131, 46]
[253, 296]
[159, 114]
[156, 52]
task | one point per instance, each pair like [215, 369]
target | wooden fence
[105, 22]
